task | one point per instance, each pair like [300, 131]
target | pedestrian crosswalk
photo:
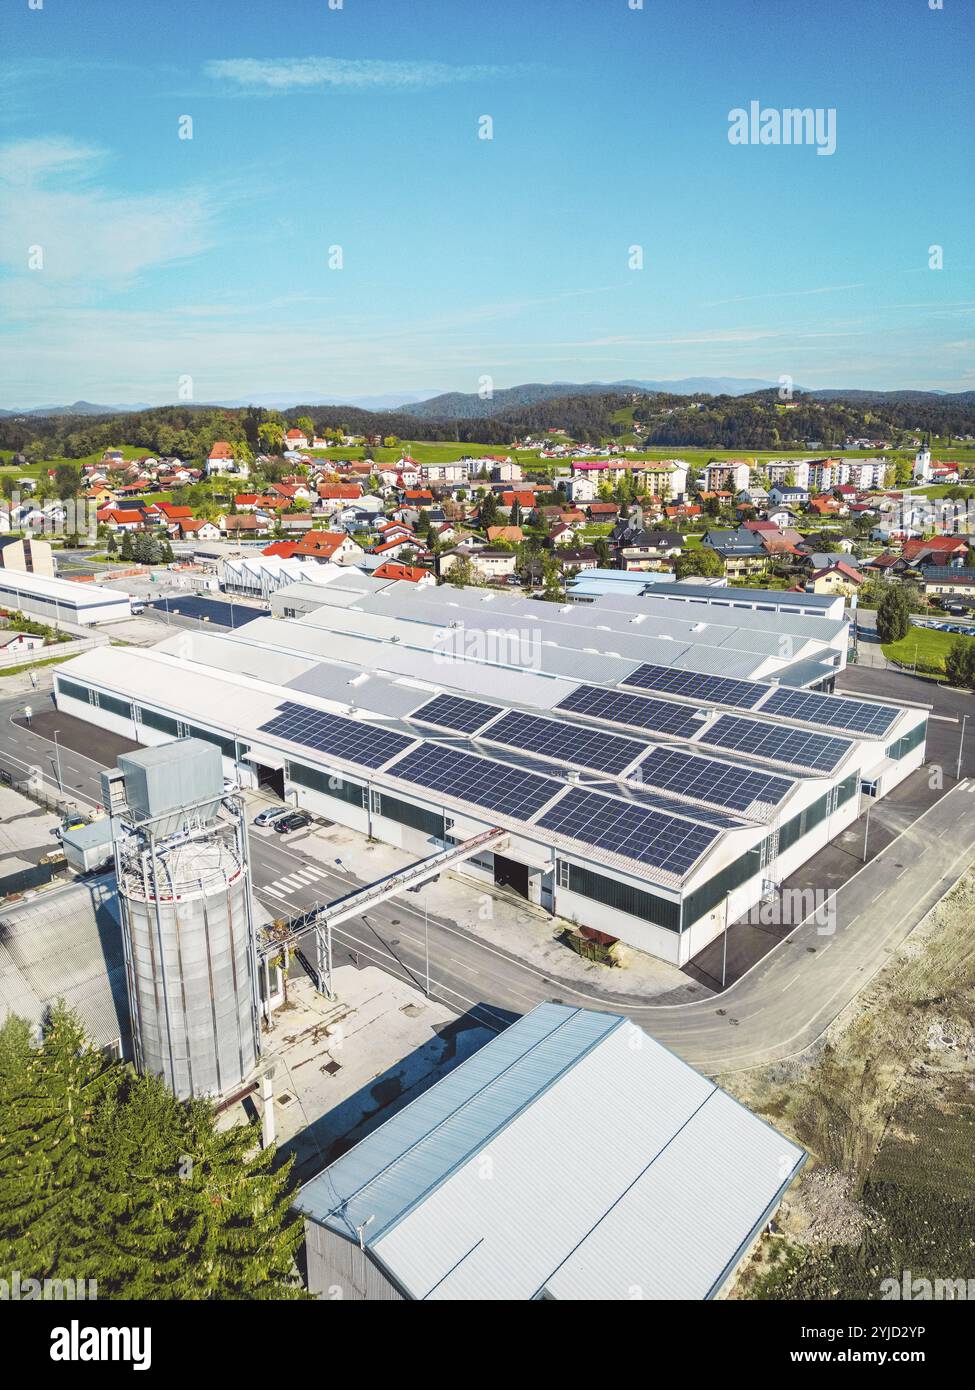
[287, 884]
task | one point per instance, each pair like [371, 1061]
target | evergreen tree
[126, 551]
[49, 1196]
[488, 510]
[960, 663]
[107, 1176]
[893, 615]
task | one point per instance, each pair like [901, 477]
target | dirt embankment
[885, 1104]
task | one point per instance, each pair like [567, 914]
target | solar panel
[817, 752]
[660, 801]
[574, 742]
[451, 712]
[367, 744]
[705, 779]
[480, 780]
[652, 837]
[695, 686]
[832, 711]
[638, 711]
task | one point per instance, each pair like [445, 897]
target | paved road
[780, 1006]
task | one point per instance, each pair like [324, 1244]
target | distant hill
[458, 405]
[79, 408]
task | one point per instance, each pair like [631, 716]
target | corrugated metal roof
[572, 1154]
[67, 944]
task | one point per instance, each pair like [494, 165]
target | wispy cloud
[282, 75]
[784, 294]
[90, 236]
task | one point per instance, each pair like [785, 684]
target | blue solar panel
[621, 827]
[832, 711]
[706, 779]
[452, 712]
[694, 686]
[482, 781]
[817, 752]
[574, 743]
[350, 739]
[637, 711]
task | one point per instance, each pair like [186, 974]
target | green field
[925, 646]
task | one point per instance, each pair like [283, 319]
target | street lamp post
[57, 760]
[866, 832]
[961, 745]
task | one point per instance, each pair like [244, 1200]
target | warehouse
[61, 600]
[617, 1172]
[644, 797]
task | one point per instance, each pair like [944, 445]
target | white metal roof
[63, 590]
[572, 1155]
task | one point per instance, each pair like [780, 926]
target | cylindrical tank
[190, 964]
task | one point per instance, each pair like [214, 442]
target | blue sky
[463, 258]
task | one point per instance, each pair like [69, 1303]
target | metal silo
[184, 889]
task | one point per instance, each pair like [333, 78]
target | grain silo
[184, 890]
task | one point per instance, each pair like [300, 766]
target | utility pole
[426, 938]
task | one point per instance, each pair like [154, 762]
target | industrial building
[572, 1157]
[61, 600]
[659, 767]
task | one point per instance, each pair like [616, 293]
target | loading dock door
[271, 779]
[508, 873]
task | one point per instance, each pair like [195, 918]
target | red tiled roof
[391, 570]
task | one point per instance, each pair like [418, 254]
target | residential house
[791, 496]
[742, 551]
[510, 535]
[222, 459]
[412, 574]
[243, 524]
[838, 578]
[191, 529]
[117, 519]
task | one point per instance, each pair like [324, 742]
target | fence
[56, 649]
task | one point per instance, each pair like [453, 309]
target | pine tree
[48, 1195]
[106, 1176]
[126, 551]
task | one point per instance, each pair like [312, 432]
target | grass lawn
[926, 645]
[33, 665]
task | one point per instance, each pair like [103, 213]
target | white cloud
[89, 236]
[271, 75]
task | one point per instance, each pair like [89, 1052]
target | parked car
[297, 820]
[271, 814]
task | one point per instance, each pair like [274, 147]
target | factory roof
[66, 944]
[614, 1166]
[62, 590]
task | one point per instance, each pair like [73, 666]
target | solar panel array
[609, 753]
[817, 752]
[661, 801]
[832, 711]
[480, 780]
[352, 739]
[651, 837]
[451, 712]
[708, 780]
[695, 686]
[638, 711]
